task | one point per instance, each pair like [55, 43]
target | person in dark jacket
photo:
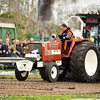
[66, 37]
[17, 44]
[26, 49]
[21, 50]
[10, 52]
[24, 43]
[1, 49]
[5, 49]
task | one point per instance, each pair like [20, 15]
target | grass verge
[50, 97]
[13, 76]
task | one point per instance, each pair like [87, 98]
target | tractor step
[65, 56]
[61, 68]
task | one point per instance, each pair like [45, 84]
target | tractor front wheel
[51, 72]
[21, 75]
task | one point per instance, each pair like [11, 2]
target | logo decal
[8, 34]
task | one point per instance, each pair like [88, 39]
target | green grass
[11, 70]
[13, 76]
[7, 70]
[34, 76]
[50, 97]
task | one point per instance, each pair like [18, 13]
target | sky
[82, 2]
[62, 8]
[87, 2]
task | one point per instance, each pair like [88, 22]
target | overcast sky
[86, 2]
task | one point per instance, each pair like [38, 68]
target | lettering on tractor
[91, 20]
[50, 57]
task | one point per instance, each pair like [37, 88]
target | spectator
[31, 40]
[26, 49]
[10, 52]
[7, 40]
[0, 40]
[17, 45]
[17, 42]
[5, 53]
[1, 49]
[13, 47]
[5, 49]
[21, 50]
[13, 40]
[24, 43]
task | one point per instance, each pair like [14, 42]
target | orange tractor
[82, 60]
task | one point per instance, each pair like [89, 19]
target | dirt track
[40, 87]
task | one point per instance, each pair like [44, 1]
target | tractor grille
[35, 47]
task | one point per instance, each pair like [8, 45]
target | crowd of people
[15, 48]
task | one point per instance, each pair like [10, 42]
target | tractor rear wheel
[51, 72]
[62, 74]
[42, 73]
[84, 62]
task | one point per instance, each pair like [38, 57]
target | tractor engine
[44, 51]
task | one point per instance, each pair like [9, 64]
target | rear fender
[73, 44]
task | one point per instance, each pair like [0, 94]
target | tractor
[82, 59]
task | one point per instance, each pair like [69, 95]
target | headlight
[38, 57]
[35, 57]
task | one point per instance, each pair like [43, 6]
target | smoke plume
[45, 11]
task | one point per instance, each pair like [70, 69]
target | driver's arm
[68, 36]
[60, 36]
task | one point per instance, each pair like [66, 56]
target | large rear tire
[84, 62]
[42, 73]
[62, 74]
[21, 75]
[51, 72]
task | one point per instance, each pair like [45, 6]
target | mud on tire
[84, 62]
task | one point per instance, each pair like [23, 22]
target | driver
[65, 37]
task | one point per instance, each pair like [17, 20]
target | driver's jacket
[67, 34]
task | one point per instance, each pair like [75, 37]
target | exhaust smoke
[44, 14]
[45, 11]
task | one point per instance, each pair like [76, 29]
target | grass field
[13, 76]
[49, 97]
